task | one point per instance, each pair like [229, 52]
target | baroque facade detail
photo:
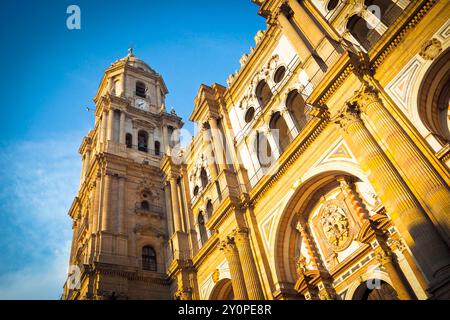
[321, 172]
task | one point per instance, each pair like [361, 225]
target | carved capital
[348, 116]
[241, 235]
[365, 96]
[228, 245]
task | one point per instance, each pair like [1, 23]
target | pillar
[106, 219]
[228, 246]
[175, 203]
[386, 262]
[218, 143]
[169, 213]
[120, 206]
[293, 130]
[166, 140]
[306, 24]
[110, 127]
[405, 212]
[293, 36]
[248, 264]
[423, 178]
[103, 126]
[122, 128]
[273, 144]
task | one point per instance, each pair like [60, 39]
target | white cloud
[38, 180]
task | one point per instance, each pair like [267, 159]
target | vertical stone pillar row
[228, 246]
[423, 178]
[252, 282]
[419, 233]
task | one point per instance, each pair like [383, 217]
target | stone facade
[320, 172]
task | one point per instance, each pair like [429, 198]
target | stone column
[122, 128]
[423, 178]
[103, 126]
[228, 246]
[106, 212]
[405, 212]
[218, 143]
[169, 213]
[120, 206]
[175, 203]
[385, 261]
[110, 129]
[166, 140]
[273, 144]
[308, 26]
[293, 36]
[248, 264]
[293, 130]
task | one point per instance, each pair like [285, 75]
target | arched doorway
[375, 289]
[223, 290]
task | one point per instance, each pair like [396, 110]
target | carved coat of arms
[335, 226]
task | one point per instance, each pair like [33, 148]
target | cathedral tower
[119, 218]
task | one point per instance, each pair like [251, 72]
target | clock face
[141, 104]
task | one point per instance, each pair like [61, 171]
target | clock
[141, 104]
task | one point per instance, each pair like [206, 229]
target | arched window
[129, 140]
[279, 74]
[387, 8]
[359, 29]
[141, 89]
[202, 228]
[263, 150]
[209, 208]
[148, 259]
[143, 141]
[204, 178]
[249, 114]
[263, 93]
[145, 205]
[280, 128]
[196, 190]
[296, 107]
[157, 148]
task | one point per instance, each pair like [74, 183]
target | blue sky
[50, 75]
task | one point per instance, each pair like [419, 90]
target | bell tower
[119, 218]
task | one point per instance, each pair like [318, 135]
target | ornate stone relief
[335, 225]
[431, 49]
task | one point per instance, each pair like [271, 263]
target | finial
[130, 51]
